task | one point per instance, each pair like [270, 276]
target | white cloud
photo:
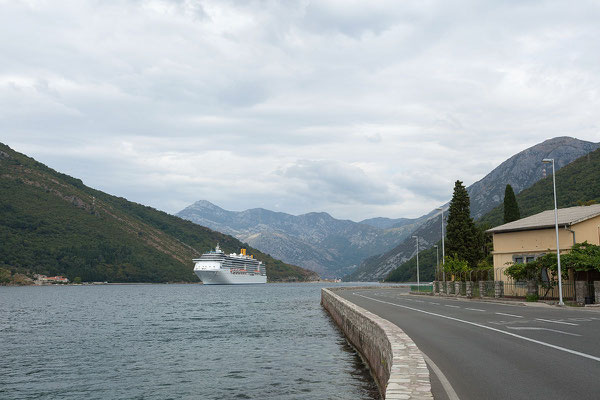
[253, 104]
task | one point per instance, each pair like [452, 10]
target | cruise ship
[217, 268]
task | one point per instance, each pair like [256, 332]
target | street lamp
[443, 250]
[560, 298]
[418, 281]
[437, 260]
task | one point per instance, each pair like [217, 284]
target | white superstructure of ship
[217, 268]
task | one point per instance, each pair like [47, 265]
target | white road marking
[448, 305]
[531, 328]
[553, 346]
[443, 380]
[556, 322]
[474, 309]
[419, 301]
[509, 315]
[431, 302]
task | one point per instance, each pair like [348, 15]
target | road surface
[488, 350]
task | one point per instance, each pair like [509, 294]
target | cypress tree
[463, 239]
[511, 208]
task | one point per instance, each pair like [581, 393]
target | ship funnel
[243, 252]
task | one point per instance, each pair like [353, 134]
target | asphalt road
[497, 351]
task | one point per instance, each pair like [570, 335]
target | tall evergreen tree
[511, 208]
[463, 239]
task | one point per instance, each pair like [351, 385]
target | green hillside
[407, 272]
[52, 223]
[577, 183]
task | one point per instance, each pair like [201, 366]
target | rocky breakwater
[395, 361]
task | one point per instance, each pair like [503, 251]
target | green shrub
[532, 297]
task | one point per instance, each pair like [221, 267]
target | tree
[455, 265]
[5, 276]
[511, 208]
[582, 257]
[463, 239]
[543, 270]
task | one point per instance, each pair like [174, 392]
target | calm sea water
[173, 342]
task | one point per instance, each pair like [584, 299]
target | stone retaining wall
[395, 361]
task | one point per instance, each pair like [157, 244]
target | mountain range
[520, 171]
[371, 248]
[316, 241]
[51, 223]
[577, 183]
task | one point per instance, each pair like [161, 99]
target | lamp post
[443, 252]
[560, 298]
[418, 281]
[437, 260]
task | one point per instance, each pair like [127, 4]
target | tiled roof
[545, 219]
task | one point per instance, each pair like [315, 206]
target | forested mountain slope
[52, 223]
[520, 171]
[576, 184]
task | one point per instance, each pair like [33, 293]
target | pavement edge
[395, 360]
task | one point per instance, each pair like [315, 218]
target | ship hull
[225, 277]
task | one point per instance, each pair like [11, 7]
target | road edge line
[553, 346]
[442, 378]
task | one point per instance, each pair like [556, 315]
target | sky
[360, 109]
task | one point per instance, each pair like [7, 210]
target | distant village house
[45, 280]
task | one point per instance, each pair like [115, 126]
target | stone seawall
[395, 361]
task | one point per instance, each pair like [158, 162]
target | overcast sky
[360, 109]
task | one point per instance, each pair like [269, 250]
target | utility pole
[443, 250]
[560, 297]
[418, 281]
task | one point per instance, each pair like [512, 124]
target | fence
[511, 289]
[519, 289]
[488, 289]
[422, 288]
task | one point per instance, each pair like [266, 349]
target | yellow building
[528, 238]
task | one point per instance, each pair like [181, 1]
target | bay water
[269, 341]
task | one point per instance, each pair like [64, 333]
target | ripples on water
[174, 341]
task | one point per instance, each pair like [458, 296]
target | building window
[525, 258]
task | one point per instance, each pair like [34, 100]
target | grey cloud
[336, 181]
[428, 184]
[437, 91]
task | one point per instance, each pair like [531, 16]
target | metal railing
[422, 288]
[518, 289]
[488, 289]
[568, 292]
[514, 289]
[475, 289]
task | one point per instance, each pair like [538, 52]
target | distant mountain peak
[521, 171]
[315, 240]
[206, 204]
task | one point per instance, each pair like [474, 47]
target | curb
[399, 366]
[540, 304]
